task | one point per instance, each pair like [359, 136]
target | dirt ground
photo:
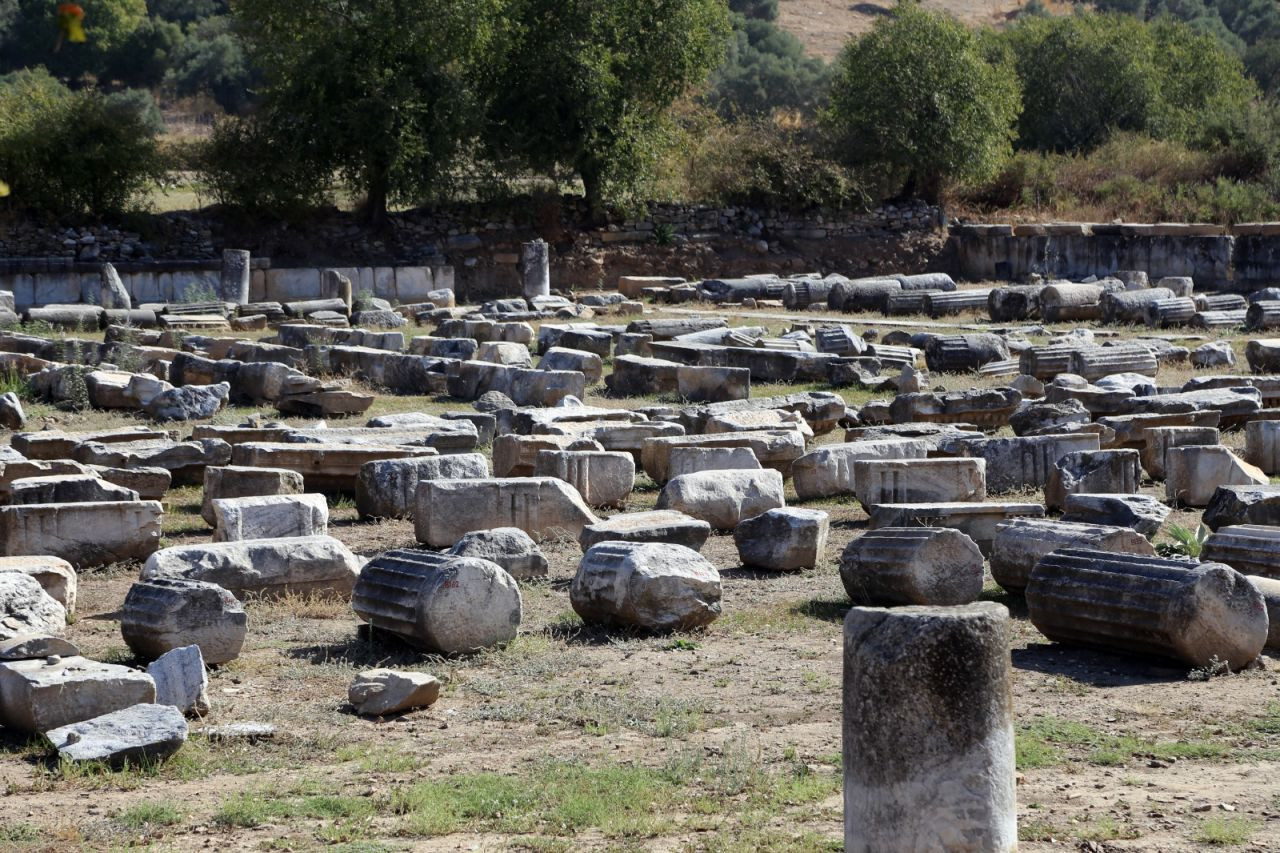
[823, 26]
[577, 738]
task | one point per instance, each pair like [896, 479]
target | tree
[916, 101]
[1085, 76]
[213, 59]
[377, 92]
[766, 68]
[583, 84]
[67, 153]
[31, 37]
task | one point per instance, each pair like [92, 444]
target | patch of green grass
[252, 809]
[380, 759]
[1106, 829]
[1269, 723]
[560, 799]
[18, 833]
[1226, 831]
[1041, 743]
[1037, 829]
[150, 814]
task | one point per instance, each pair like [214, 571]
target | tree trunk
[375, 206]
[592, 185]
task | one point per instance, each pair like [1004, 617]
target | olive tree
[916, 102]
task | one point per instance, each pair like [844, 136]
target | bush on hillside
[67, 153]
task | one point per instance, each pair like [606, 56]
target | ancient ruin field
[575, 737]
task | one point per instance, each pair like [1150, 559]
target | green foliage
[760, 161]
[583, 85]
[67, 153]
[213, 60]
[766, 68]
[1085, 76]
[916, 101]
[245, 165]
[380, 98]
[1186, 542]
[188, 11]
[145, 55]
[29, 40]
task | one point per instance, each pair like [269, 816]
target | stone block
[319, 565]
[540, 506]
[83, 534]
[163, 614]
[651, 586]
[39, 695]
[723, 498]
[270, 517]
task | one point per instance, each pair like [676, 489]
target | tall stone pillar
[535, 269]
[928, 730]
[233, 285]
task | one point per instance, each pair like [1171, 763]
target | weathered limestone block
[828, 470]
[1243, 505]
[26, 608]
[517, 455]
[636, 376]
[1157, 441]
[1093, 472]
[889, 481]
[181, 680]
[318, 565]
[912, 565]
[149, 482]
[324, 467]
[1040, 417]
[1193, 612]
[1143, 513]
[774, 449]
[561, 358]
[1252, 549]
[1017, 464]
[604, 478]
[540, 506]
[710, 384]
[388, 488]
[56, 577]
[1194, 472]
[653, 586]
[142, 732]
[437, 602]
[928, 748]
[270, 517]
[67, 488]
[52, 444]
[1020, 543]
[723, 498]
[1270, 590]
[185, 460]
[1262, 445]
[976, 519]
[379, 692]
[985, 408]
[822, 410]
[83, 534]
[237, 481]
[664, 525]
[509, 547]
[1263, 355]
[691, 460]
[163, 614]
[39, 695]
[783, 539]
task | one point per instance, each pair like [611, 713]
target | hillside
[823, 26]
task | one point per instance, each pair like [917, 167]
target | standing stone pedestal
[928, 729]
[535, 269]
[233, 283]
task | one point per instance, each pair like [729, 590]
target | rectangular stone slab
[51, 444]
[36, 696]
[83, 534]
[976, 520]
[540, 506]
[776, 449]
[324, 467]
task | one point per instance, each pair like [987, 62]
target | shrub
[917, 100]
[68, 153]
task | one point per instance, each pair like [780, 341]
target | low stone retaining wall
[1241, 257]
